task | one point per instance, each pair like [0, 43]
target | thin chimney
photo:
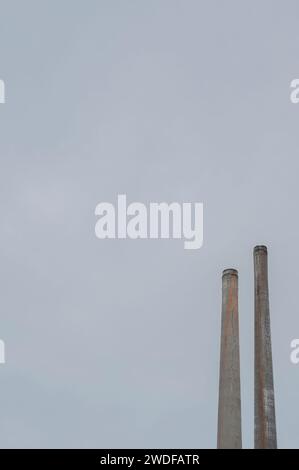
[229, 411]
[264, 405]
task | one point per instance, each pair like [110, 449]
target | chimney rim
[230, 272]
[260, 248]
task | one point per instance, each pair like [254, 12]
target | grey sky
[116, 343]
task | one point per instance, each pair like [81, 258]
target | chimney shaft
[264, 406]
[229, 411]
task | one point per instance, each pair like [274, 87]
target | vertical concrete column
[229, 410]
[264, 405]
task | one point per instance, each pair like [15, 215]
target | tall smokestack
[264, 406]
[229, 411]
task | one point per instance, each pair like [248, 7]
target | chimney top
[230, 272]
[260, 248]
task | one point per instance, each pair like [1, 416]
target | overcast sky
[116, 343]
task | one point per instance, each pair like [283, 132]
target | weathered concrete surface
[264, 406]
[229, 411]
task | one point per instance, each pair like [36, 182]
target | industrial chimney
[264, 406]
[229, 411]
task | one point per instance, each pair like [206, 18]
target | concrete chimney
[264, 406]
[229, 411]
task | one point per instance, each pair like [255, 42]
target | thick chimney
[264, 406]
[229, 411]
